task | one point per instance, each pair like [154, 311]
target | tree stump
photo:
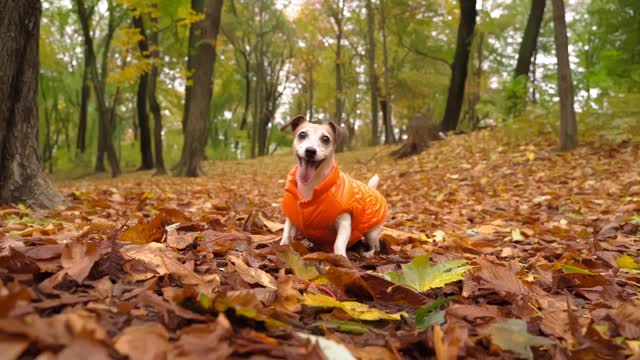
[419, 133]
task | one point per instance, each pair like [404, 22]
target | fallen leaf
[303, 269]
[252, 275]
[145, 341]
[422, 276]
[512, 335]
[354, 309]
[78, 259]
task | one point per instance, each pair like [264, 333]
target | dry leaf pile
[492, 249]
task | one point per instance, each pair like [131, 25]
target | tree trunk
[385, 104]
[373, 77]
[204, 56]
[141, 100]
[568, 127]
[311, 91]
[21, 176]
[105, 129]
[154, 106]
[420, 128]
[338, 19]
[81, 144]
[530, 38]
[455, 96]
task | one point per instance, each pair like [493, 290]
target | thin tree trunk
[373, 77]
[312, 86]
[105, 129]
[204, 56]
[21, 177]
[338, 19]
[530, 38]
[389, 137]
[85, 94]
[154, 106]
[189, 80]
[141, 100]
[568, 127]
[455, 96]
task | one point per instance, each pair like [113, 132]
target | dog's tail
[373, 182]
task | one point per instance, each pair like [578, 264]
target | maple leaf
[355, 309]
[512, 335]
[422, 276]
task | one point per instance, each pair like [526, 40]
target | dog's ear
[334, 129]
[294, 123]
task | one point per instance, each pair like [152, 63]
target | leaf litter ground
[158, 267]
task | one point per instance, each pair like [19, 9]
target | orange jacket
[337, 194]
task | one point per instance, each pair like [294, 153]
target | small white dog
[328, 207]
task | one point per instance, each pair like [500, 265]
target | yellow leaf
[627, 262]
[354, 309]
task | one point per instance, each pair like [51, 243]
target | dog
[322, 203]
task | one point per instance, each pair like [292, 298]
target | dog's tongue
[306, 171]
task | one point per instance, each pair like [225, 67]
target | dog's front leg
[288, 232]
[343, 224]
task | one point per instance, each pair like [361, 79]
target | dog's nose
[310, 152]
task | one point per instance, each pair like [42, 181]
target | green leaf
[355, 309]
[204, 300]
[434, 318]
[422, 276]
[572, 269]
[346, 326]
[425, 318]
[301, 268]
[512, 335]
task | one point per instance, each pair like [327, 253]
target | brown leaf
[18, 263]
[252, 275]
[200, 341]
[12, 346]
[81, 349]
[180, 241]
[331, 258]
[78, 259]
[143, 341]
[144, 233]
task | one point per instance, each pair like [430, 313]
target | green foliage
[421, 275]
[514, 101]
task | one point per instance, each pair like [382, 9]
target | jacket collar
[323, 187]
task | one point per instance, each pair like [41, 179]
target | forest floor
[534, 253]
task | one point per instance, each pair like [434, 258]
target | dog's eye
[325, 139]
[302, 135]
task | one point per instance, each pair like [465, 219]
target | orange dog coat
[338, 193]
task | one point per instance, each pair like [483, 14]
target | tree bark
[373, 77]
[530, 38]
[85, 94]
[105, 129]
[141, 100]
[385, 104]
[338, 18]
[21, 176]
[154, 105]
[568, 127]
[419, 133]
[204, 56]
[455, 96]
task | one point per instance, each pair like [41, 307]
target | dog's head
[313, 146]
